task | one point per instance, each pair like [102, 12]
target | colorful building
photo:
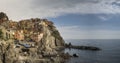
[19, 35]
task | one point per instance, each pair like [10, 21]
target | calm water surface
[110, 52]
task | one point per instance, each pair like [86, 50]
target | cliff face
[28, 40]
[52, 37]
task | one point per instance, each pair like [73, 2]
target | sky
[75, 19]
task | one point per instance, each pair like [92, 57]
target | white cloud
[105, 17]
[21, 9]
[74, 32]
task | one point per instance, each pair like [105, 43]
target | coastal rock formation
[29, 41]
[92, 48]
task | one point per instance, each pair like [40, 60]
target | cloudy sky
[75, 19]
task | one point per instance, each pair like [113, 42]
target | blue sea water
[110, 52]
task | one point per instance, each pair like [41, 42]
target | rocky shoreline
[9, 54]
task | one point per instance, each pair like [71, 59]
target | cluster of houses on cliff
[24, 30]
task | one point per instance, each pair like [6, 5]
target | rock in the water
[92, 48]
[75, 55]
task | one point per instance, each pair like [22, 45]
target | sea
[110, 52]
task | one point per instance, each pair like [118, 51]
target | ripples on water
[110, 52]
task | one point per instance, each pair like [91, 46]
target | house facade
[19, 35]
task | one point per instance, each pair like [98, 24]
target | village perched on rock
[30, 41]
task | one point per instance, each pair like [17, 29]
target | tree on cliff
[3, 16]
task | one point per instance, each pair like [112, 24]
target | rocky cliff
[29, 41]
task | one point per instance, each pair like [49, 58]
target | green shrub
[56, 34]
[1, 34]
[3, 15]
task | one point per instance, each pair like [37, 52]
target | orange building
[19, 35]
